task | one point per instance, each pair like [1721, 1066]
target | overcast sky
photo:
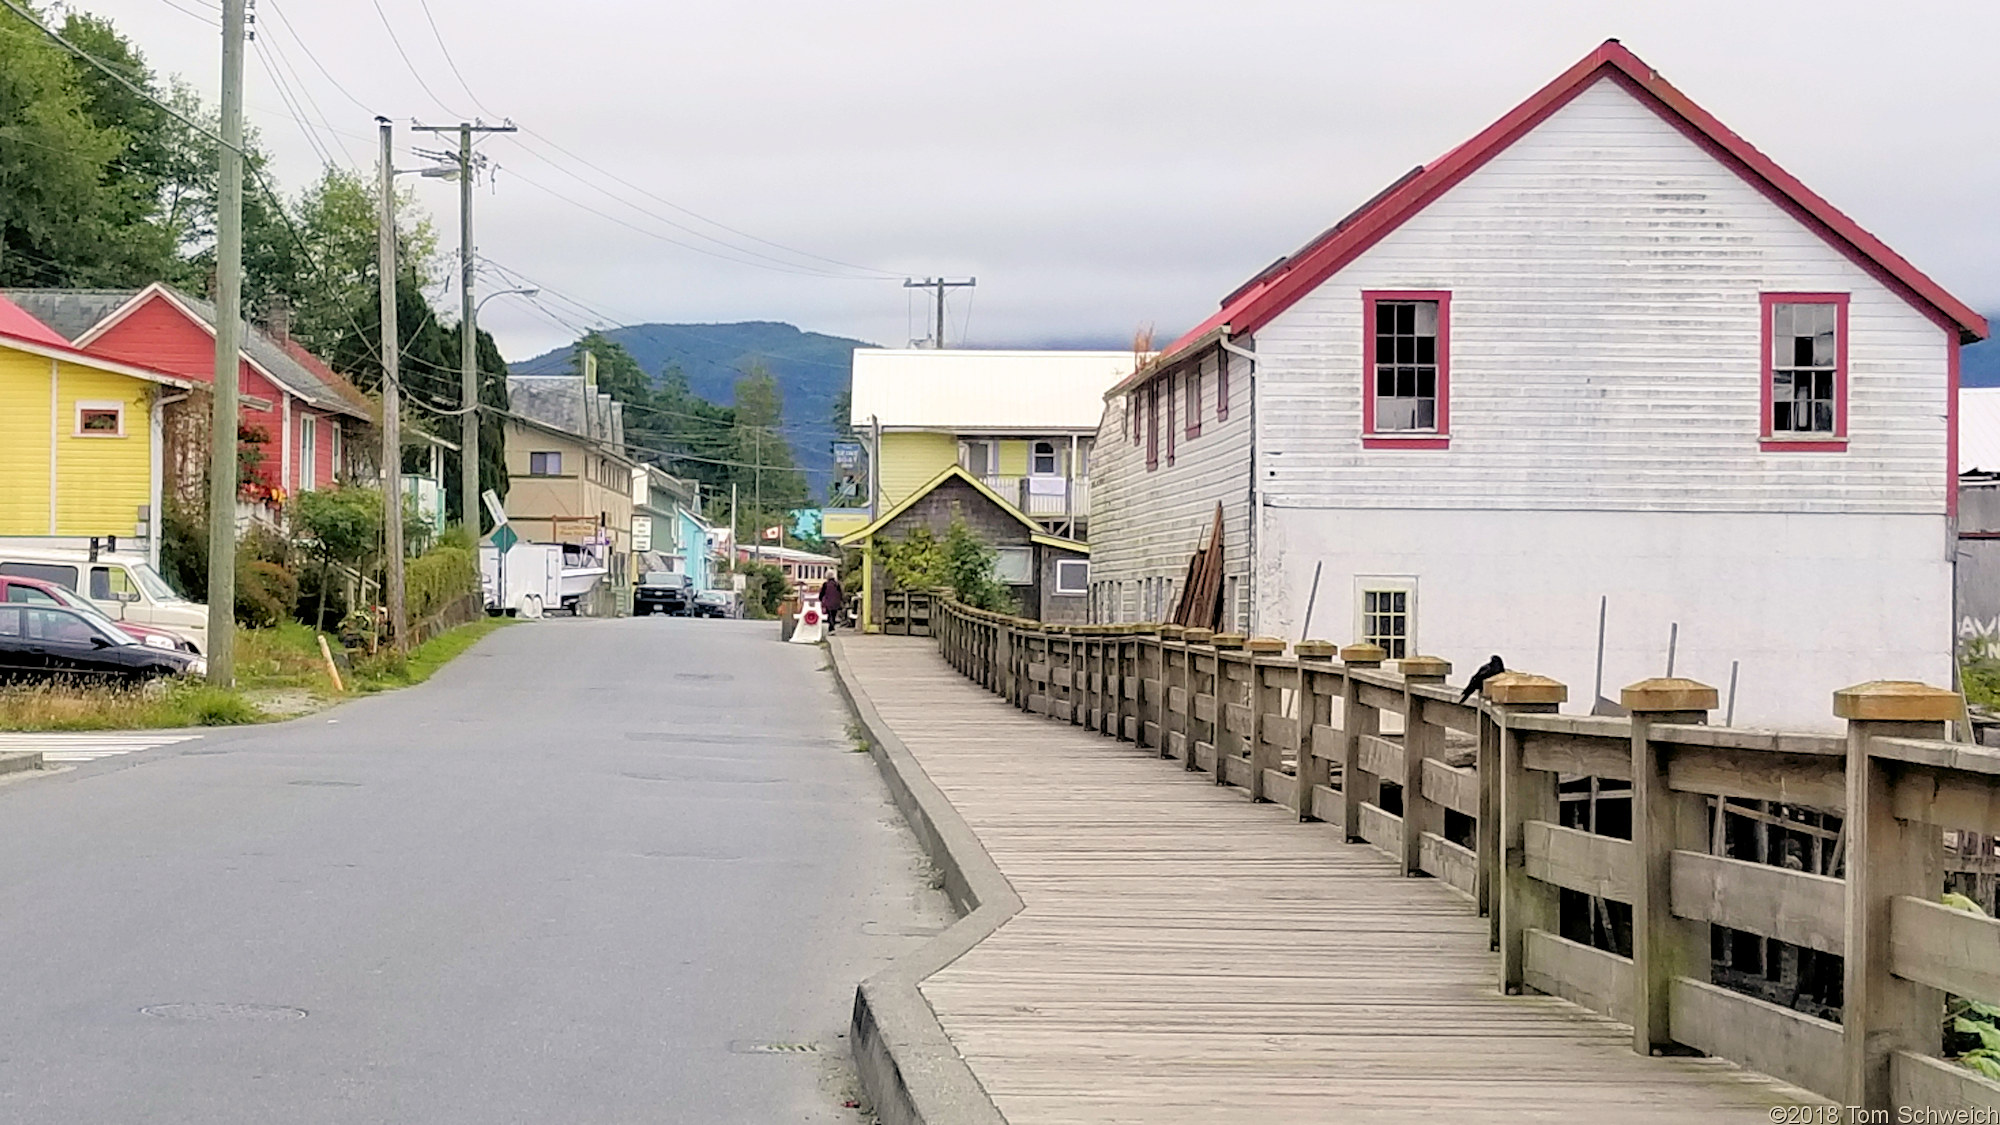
[1096, 165]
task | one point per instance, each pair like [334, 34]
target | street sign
[642, 533]
[847, 454]
[492, 499]
[504, 537]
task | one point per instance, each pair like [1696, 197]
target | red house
[299, 415]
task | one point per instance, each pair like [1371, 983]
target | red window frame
[1194, 382]
[1221, 385]
[1153, 425]
[1769, 441]
[1169, 396]
[1441, 437]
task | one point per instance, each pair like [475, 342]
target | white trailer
[533, 575]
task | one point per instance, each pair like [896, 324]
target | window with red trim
[1805, 371]
[1169, 396]
[1222, 386]
[1194, 382]
[1153, 425]
[1406, 369]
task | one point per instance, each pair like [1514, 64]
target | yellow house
[80, 438]
[1021, 423]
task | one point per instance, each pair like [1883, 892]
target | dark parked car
[40, 642]
[713, 603]
[660, 591]
[33, 591]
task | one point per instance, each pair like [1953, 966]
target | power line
[608, 217]
[886, 275]
[307, 48]
[414, 72]
[450, 62]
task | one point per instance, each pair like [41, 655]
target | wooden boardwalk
[1184, 956]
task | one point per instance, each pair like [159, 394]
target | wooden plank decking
[1187, 957]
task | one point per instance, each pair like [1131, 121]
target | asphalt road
[594, 871]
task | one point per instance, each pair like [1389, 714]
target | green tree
[339, 527]
[58, 219]
[767, 478]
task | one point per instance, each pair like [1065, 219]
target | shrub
[437, 579]
[961, 561]
[266, 593]
[764, 587]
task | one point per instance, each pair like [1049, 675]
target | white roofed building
[1022, 422]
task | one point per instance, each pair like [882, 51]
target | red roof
[1294, 277]
[15, 322]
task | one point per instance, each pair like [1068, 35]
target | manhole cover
[757, 1047]
[217, 1013]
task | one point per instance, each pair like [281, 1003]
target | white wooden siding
[1146, 523]
[1605, 338]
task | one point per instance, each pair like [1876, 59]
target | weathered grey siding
[1145, 523]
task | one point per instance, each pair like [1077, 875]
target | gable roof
[82, 316]
[22, 332]
[17, 323]
[1035, 532]
[1291, 278]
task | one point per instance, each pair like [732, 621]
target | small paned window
[1169, 396]
[1072, 576]
[1194, 382]
[1406, 366]
[1045, 463]
[100, 419]
[545, 464]
[1153, 425]
[1385, 620]
[1222, 360]
[1805, 365]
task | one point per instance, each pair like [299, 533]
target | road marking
[87, 747]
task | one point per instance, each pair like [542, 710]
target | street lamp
[468, 454]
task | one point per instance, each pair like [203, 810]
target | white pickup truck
[125, 587]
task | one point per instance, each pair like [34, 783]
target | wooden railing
[1474, 794]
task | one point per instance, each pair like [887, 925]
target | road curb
[20, 762]
[909, 1067]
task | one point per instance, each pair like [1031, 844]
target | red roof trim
[1315, 264]
[20, 324]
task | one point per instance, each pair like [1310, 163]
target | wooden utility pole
[392, 404]
[468, 347]
[228, 346]
[939, 284]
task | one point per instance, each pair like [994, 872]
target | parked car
[660, 591]
[33, 591]
[713, 603]
[43, 642]
[125, 587]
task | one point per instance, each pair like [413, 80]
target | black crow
[1486, 672]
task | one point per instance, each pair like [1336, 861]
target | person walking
[830, 600]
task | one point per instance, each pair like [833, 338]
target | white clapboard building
[1605, 353]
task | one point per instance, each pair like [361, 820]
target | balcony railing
[1045, 497]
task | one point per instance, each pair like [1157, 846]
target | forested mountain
[811, 371]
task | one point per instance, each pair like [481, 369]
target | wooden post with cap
[1663, 820]
[1526, 903]
[1422, 738]
[1882, 1013]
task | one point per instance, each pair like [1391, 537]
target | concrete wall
[1806, 603]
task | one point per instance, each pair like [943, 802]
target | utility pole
[228, 348]
[940, 285]
[468, 347]
[735, 527]
[757, 544]
[392, 404]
